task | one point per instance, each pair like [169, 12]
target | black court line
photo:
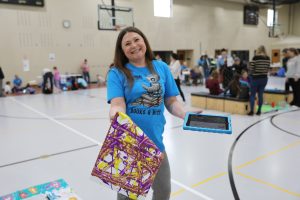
[47, 156]
[230, 157]
[276, 126]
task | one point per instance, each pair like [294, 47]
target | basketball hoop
[114, 18]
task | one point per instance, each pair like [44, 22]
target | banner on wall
[25, 64]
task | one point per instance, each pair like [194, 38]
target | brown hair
[295, 51]
[261, 50]
[120, 59]
[215, 74]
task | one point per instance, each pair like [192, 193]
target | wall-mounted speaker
[251, 14]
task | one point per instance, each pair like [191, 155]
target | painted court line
[289, 146]
[276, 187]
[57, 122]
[100, 144]
[191, 190]
[293, 144]
[79, 113]
[47, 156]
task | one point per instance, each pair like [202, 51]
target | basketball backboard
[114, 17]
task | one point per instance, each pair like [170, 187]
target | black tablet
[207, 123]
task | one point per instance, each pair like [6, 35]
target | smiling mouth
[135, 51]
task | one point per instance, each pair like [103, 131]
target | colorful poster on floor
[55, 190]
[128, 160]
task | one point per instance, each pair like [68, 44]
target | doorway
[186, 55]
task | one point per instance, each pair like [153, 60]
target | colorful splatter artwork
[54, 190]
[128, 160]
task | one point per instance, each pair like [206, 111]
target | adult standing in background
[259, 69]
[85, 71]
[1, 82]
[224, 64]
[47, 79]
[285, 60]
[175, 68]
[56, 75]
[205, 63]
[239, 66]
[293, 74]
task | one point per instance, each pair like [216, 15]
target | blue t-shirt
[17, 82]
[145, 100]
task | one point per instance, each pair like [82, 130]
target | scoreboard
[39, 3]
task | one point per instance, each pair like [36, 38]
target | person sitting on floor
[17, 84]
[82, 83]
[213, 83]
[7, 88]
[28, 89]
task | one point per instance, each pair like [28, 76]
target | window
[163, 8]
[270, 22]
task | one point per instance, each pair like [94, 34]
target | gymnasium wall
[29, 33]
[296, 20]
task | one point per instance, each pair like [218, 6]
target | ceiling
[277, 2]
[265, 2]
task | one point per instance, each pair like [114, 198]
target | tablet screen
[204, 121]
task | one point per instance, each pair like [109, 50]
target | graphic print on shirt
[153, 94]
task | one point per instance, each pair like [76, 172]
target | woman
[85, 71]
[138, 82]
[175, 70]
[259, 69]
[56, 76]
[293, 74]
[213, 83]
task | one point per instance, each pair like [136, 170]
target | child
[7, 88]
[244, 80]
[100, 80]
[234, 86]
[213, 83]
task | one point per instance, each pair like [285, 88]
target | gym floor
[47, 137]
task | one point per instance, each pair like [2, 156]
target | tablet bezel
[193, 128]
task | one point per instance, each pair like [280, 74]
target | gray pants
[162, 183]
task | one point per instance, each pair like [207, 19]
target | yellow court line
[180, 191]
[276, 187]
[177, 193]
[219, 175]
[294, 144]
[209, 179]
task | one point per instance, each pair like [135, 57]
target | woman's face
[133, 46]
